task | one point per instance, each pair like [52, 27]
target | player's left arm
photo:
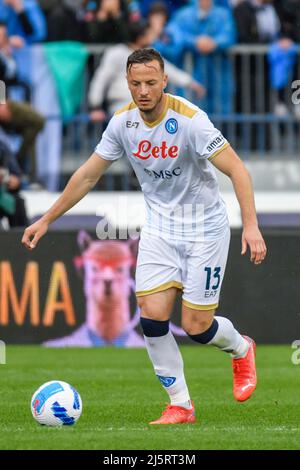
[229, 163]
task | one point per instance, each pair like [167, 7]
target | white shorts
[197, 268]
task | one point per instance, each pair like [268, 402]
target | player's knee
[146, 308]
[152, 310]
[197, 325]
[206, 335]
[154, 328]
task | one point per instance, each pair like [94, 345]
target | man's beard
[149, 111]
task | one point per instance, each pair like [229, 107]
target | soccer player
[173, 147]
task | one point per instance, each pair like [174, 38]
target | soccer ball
[56, 403]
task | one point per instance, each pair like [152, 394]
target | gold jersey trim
[181, 108]
[199, 307]
[160, 288]
[225, 146]
[171, 103]
[127, 107]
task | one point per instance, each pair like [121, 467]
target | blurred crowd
[202, 28]
[106, 21]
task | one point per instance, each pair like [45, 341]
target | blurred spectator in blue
[226, 3]
[206, 31]
[157, 17]
[131, 6]
[134, 10]
[171, 5]
[24, 18]
[8, 66]
[167, 38]
[223, 3]
[107, 21]
[64, 19]
[283, 55]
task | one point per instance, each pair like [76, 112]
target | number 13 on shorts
[213, 279]
[206, 269]
[216, 276]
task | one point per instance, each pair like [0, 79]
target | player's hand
[109, 8]
[205, 44]
[13, 182]
[98, 116]
[251, 236]
[17, 5]
[199, 89]
[33, 233]
[16, 41]
[5, 113]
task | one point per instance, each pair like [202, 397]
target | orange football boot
[176, 415]
[244, 373]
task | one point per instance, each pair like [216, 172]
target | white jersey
[170, 158]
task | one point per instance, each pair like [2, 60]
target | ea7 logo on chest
[146, 150]
[131, 124]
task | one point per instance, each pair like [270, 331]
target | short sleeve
[110, 147]
[206, 141]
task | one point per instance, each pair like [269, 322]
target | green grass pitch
[121, 395]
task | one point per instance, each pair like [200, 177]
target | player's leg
[203, 327]
[165, 355]
[205, 271]
[158, 279]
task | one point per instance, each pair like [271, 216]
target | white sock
[168, 364]
[229, 339]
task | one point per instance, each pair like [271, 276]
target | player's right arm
[81, 182]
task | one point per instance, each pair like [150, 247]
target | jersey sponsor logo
[171, 126]
[164, 174]
[146, 150]
[149, 172]
[131, 124]
[216, 144]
